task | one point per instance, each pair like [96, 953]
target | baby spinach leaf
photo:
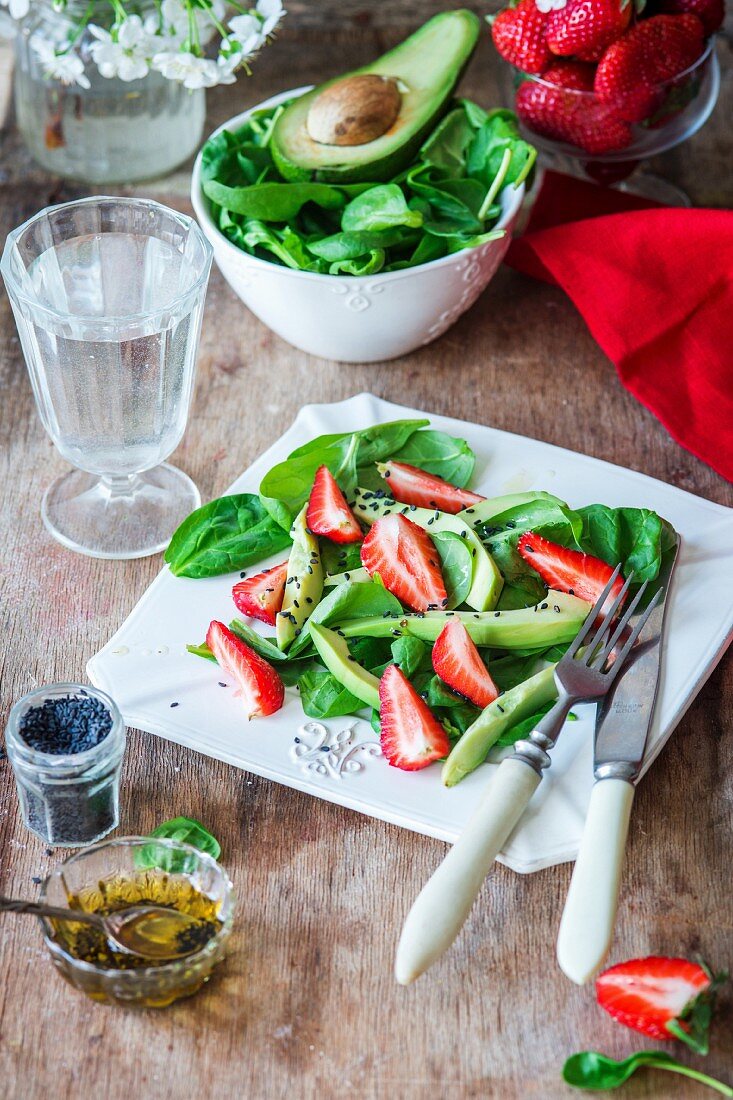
[322, 696]
[201, 650]
[456, 564]
[412, 655]
[380, 207]
[637, 537]
[362, 265]
[596, 1072]
[224, 535]
[272, 202]
[438, 453]
[446, 146]
[186, 830]
[352, 245]
[285, 244]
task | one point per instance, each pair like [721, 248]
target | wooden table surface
[306, 1004]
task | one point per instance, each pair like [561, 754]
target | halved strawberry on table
[570, 571]
[328, 513]
[411, 736]
[407, 562]
[261, 596]
[664, 998]
[458, 663]
[259, 686]
[411, 485]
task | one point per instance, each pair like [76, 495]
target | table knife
[622, 727]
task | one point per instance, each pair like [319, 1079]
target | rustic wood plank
[306, 1005]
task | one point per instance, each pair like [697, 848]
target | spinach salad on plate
[398, 594]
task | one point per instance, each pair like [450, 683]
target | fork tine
[621, 626]
[607, 621]
[617, 664]
[592, 615]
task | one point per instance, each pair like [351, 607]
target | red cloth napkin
[655, 287]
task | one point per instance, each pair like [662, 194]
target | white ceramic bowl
[348, 318]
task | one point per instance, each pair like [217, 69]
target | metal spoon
[150, 931]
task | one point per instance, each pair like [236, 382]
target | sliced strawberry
[411, 736]
[458, 663]
[571, 571]
[660, 997]
[259, 685]
[328, 513]
[406, 560]
[411, 485]
[261, 596]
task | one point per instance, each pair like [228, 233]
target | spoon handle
[36, 909]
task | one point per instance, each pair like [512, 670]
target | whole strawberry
[710, 12]
[632, 71]
[519, 36]
[585, 28]
[548, 110]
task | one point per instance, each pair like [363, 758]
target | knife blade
[622, 729]
[624, 718]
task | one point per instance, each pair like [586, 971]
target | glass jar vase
[114, 131]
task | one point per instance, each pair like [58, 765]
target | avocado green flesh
[334, 652]
[513, 706]
[486, 582]
[304, 586]
[529, 628]
[428, 66]
[494, 506]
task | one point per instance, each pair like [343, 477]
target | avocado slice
[425, 69]
[479, 514]
[304, 586]
[554, 621]
[513, 706]
[487, 581]
[334, 652]
[358, 576]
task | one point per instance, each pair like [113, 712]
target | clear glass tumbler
[108, 295]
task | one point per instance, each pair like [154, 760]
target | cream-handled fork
[443, 904]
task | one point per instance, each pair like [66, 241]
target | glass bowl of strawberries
[600, 86]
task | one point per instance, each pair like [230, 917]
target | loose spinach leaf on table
[186, 830]
[597, 1073]
[224, 535]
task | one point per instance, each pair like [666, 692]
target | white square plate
[145, 666]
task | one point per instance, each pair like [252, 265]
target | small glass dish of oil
[133, 871]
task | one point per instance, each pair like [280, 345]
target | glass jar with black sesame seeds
[65, 743]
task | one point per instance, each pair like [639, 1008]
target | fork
[584, 674]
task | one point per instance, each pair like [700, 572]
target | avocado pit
[355, 110]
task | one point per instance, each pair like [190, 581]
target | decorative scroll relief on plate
[357, 295]
[332, 754]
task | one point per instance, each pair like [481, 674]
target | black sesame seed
[543, 606]
[347, 576]
[308, 599]
[222, 684]
[497, 614]
[296, 604]
[470, 511]
[571, 591]
[431, 521]
[500, 707]
[37, 880]
[556, 608]
[243, 575]
[175, 704]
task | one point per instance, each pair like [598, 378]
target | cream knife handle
[586, 927]
[444, 902]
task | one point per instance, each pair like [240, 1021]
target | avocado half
[427, 67]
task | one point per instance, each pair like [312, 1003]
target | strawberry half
[259, 685]
[519, 36]
[411, 735]
[261, 597]
[571, 571]
[458, 663]
[662, 998]
[586, 28]
[411, 485]
[328, 513]
[406, 560]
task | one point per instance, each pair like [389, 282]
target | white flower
[191, 71]
[246, 33]
[175, 22]
[227, 65]
[546, 6]
[66, 67]
[124, 56]
[18, 9]
[271, 12]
